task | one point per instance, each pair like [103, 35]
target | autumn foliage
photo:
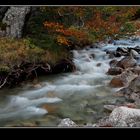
[64, 35]
[97, 23]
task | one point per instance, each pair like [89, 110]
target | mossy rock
[4, 69]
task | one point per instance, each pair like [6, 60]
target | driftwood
[30, 71]
[23, 72]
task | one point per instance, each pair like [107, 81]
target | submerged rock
[110, 107]
[99, 64]
[50, 108]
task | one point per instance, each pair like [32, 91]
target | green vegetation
[128, 27]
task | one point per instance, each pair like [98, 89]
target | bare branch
[4, 82]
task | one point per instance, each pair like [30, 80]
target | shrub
[128, 27]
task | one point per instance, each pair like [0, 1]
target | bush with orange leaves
[67, 36]
[103, 22]
[111, 25]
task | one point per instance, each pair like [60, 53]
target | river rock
[123, 79]
[117, 82]
[110, 107]
[67, 122]
[99, 64]
[37, 85]
[124, 116]
[110, 53]
[92, 55]
[121, 51]
[127, 62]
[111, 41]
[113, 63]
[104, 122]
[136, 70]
[50, 108]
[133, 90]
[15, 19]
[115, 71]
[135, 85]
[137, 49]
[130, 105]
[64, 66]
[134, 53]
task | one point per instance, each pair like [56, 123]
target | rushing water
[79, 95]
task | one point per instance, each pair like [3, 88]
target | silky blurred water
[79, 96]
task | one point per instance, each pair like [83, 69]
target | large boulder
[15, 19]
[124, 116]
[121, 117]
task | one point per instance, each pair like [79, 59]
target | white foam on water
[25, 113]
[17, 101]
[40, 92]
[23, 107]
[92, 65]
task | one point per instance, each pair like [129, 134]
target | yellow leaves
[103, 21]
[64, 34]
[108, 25]
[62, 40]
[52, 25]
